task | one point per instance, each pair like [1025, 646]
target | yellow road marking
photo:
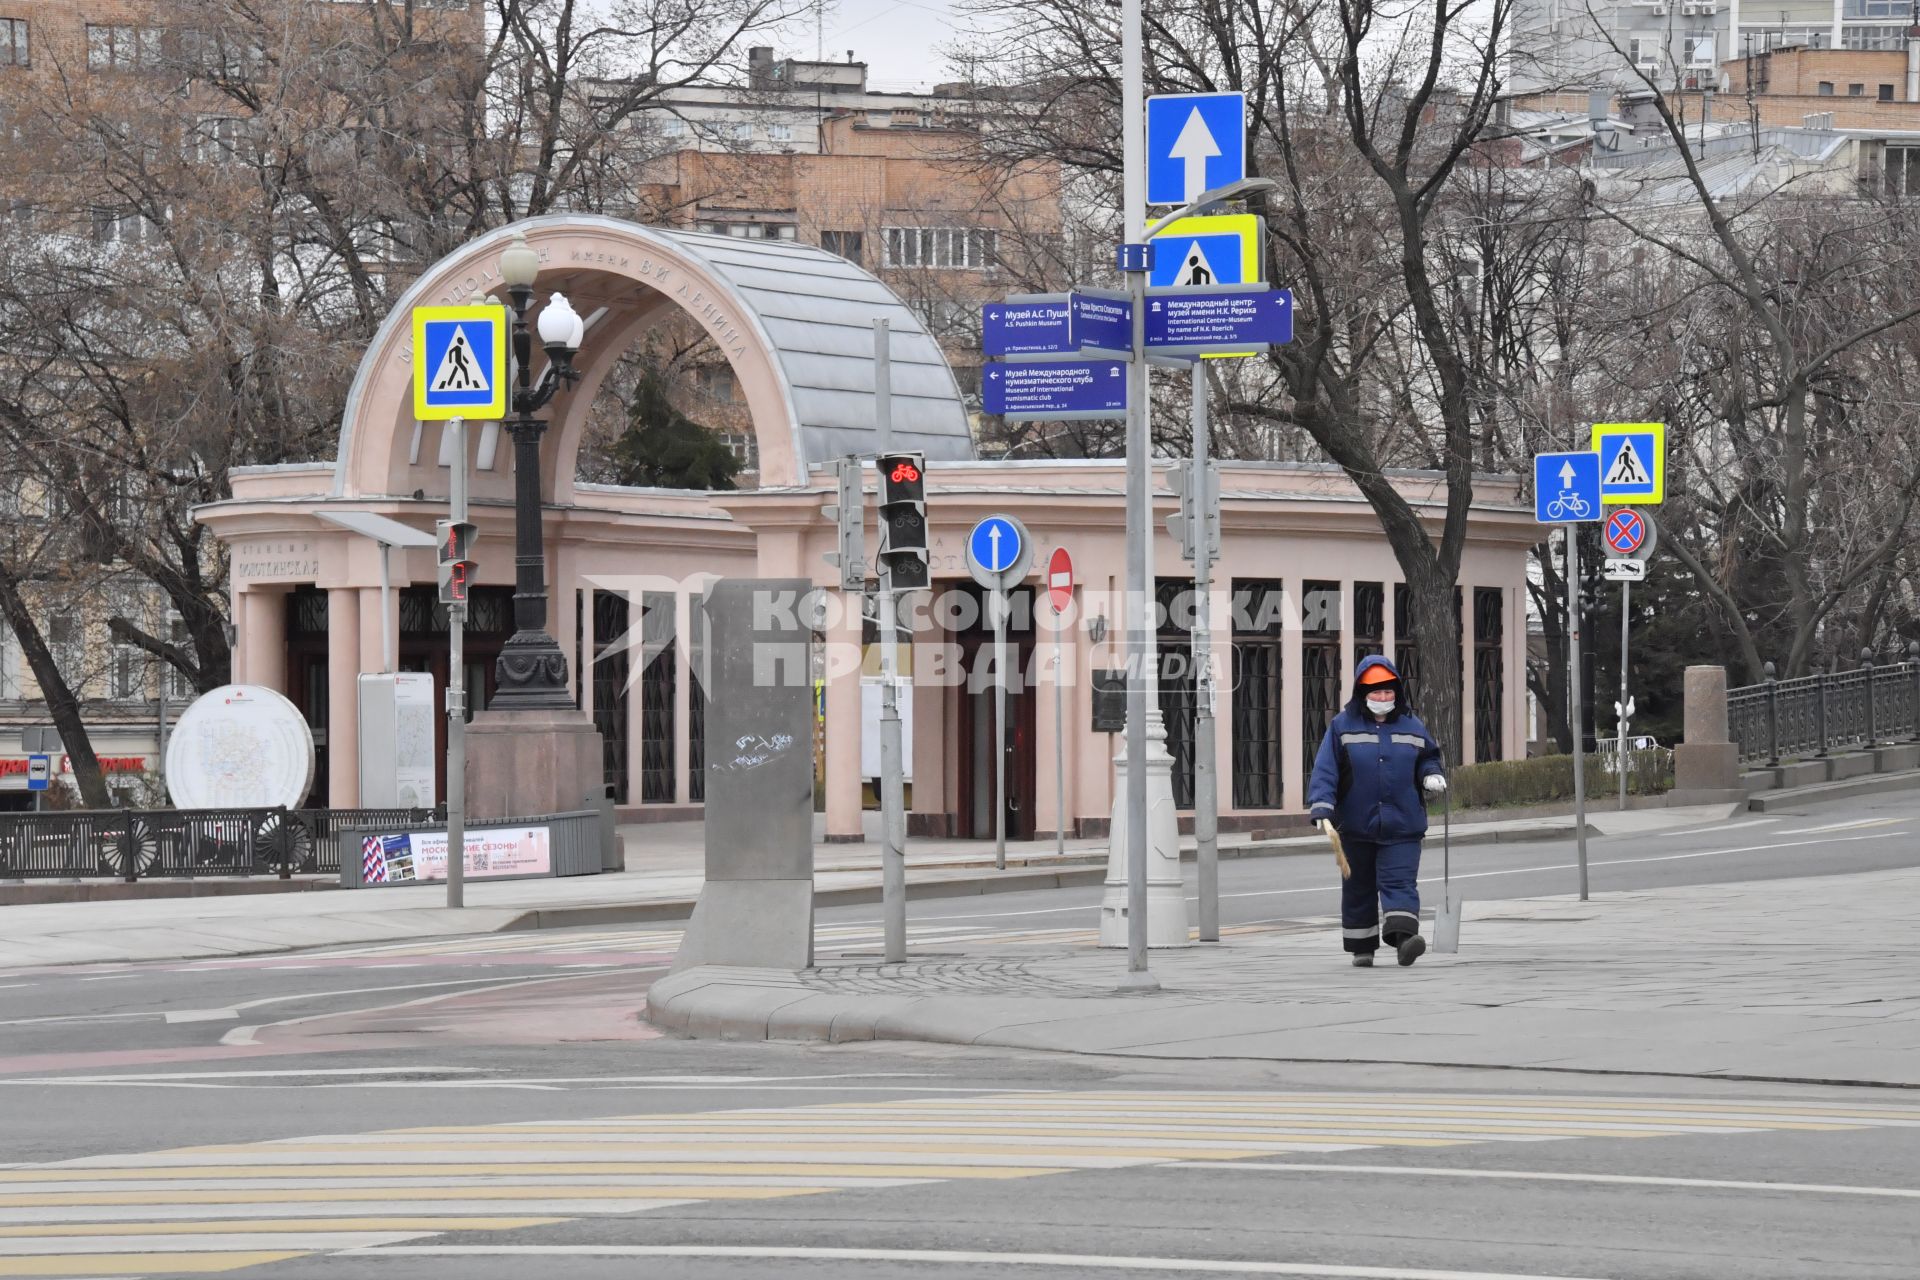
[235, 1226]
[135, 1264]
[405, 1168]
[1143, 1151]
[281, 1195]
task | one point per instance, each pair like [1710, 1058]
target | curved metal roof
[818, 310]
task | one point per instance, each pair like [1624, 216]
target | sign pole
[997, 601]
[1206, 799]
[1573, 700]
[1139, 588]
[1626, 590]
[1059, 745]
[457, 693]
[893, 817]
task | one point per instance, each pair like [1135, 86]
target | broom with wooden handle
[1339, 852]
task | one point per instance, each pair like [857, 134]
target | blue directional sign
[1566, 487]
[1100, 322]
[1026, 326]
[995, 544]
[1056, 390]
[1195, 142]
[1201, 321]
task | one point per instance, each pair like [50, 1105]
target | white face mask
[1382, 707]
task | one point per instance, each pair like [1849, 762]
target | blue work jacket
[1367, 775]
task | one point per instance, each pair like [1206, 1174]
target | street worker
[1376, 765]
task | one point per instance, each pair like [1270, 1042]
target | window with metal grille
[1319, 667]
[1489, 673]
[179, 684]
[1258, 614]
[611, 660]
[1174, 600]
[1369, 620]
[656, 699]
[124, 682]
[696, 705]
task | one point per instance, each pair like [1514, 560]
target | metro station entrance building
[1305, 584]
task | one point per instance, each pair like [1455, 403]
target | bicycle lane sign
[1566, 487]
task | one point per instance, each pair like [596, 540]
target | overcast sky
[901, 41]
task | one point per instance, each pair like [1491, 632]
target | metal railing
[1810, 717]
[135, 844]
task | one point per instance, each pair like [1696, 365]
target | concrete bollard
[1706, 766]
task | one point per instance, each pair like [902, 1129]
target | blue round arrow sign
[994, 544]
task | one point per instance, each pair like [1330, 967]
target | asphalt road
[496, 1098]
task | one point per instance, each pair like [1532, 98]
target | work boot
[1411, 949]
[1363, 959]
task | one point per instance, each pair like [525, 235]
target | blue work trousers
[1382, 896]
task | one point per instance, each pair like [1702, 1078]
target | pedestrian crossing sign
[460, 363]
[1216, 249]
[1633, 462]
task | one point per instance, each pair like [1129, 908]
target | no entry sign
[1626, 532]
[1060, 580]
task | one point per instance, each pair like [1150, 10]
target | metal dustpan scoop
[1446, 918]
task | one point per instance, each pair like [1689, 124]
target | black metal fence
[1809, 717]
[133, 844]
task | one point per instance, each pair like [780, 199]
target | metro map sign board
[1633, 462]
[460, 363]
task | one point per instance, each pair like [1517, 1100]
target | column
[929, 745]
[1839, 24]
[266, 642]
[371, 641]
[584, 673]
[242, 649]
[1348, 642]
[343, 697]
[682, 693]
[565, 608]
[1222, 658]
[1513, 640]
[1293, 686]
[843, 720]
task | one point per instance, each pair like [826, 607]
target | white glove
[1325, 825]
[1434, 784]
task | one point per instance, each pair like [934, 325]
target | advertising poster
[419, 856]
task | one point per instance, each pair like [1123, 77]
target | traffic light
[849, 512]
[903, 521]
[1199, 507]
[456, 558]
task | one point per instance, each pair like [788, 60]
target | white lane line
[959, 1257]
[203, 1015]
[142, 1077]
[1524, 1175]
[1850, 825]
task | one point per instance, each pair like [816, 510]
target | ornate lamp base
[531, 675]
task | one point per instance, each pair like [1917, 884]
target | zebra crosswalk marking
[223, 1206]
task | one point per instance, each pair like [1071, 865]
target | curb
[971, 886]
[1867, 785]
[719, 1003]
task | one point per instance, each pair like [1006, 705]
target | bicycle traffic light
[903, 521]
[455, 539]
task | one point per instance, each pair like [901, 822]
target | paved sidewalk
[665, 864]
[1803, 980]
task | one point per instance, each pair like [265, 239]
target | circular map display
[242, 746]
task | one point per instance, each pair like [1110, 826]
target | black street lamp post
[532, 671]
